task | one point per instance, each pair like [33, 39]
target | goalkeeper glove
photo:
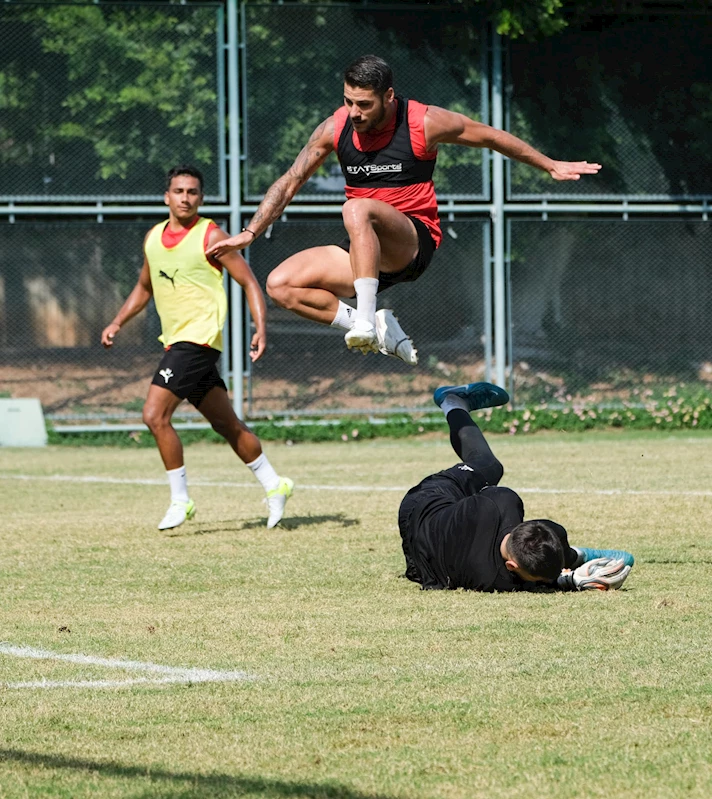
[600, 574]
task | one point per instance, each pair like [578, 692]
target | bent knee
[358, 210]
[279, 289]
[494, 472]
[154, 418]
[221, 427]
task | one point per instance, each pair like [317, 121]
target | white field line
[95, 683]
[66, 478]
[164, 674]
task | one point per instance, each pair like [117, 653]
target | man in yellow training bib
[188, 291]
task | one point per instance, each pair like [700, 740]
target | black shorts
[451, 485]
[426, 248]
[416, 521]
[189, 371]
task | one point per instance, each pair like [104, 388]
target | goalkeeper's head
[534, 550]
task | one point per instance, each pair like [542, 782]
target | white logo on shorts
[466, 468]
[166, 374]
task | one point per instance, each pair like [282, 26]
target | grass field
[333, 677]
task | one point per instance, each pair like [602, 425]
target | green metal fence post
[233, 114]
[497, 214]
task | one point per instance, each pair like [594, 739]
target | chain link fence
[61, 283]
[97, 101]
[295, 60]
[605, 311]
[607, 93]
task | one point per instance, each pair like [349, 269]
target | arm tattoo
[281, 192]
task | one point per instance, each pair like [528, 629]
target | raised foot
[392, 339]
[362, 336]
[477, 395]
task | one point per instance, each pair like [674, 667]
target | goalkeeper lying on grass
[460, 529]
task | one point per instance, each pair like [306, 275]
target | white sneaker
[277, 499]
[362, 336]
[177, 513]
[392, 339]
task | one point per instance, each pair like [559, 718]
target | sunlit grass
[365, 686]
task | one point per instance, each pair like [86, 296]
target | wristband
[247, 230]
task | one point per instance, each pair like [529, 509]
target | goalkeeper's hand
[600, 574]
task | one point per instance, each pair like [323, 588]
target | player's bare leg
[382, 240]
[158, 411]
[310, 283]
[217, 409]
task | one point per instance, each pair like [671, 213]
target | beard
[374, 123]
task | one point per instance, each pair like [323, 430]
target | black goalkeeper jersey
[452, 527]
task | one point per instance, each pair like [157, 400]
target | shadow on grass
[293, 522]
[188, 533]
[195, 786]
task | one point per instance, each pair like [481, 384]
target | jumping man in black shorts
[188, 291]
[461, 529]
[387, 146]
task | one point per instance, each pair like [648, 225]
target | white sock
[178, 482]
[263, 471]
[366, 290]
[345, 316]
[452, 402]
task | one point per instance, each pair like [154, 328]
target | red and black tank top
[391, 165]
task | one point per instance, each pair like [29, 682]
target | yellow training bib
[187, 288]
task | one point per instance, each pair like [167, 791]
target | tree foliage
[512, 18]
[100, 99]
[97, 99]
[295, 62]
[601, 92]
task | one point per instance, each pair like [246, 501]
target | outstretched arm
[239, 270]
[448, 127]
[281, 192]
[135, 303]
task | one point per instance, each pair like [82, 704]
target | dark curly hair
[369, 72]
[184, 169]
[536, 547]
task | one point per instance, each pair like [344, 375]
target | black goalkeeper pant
[472, 449]
[470, 445]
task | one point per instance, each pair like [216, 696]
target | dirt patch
[116, 386]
